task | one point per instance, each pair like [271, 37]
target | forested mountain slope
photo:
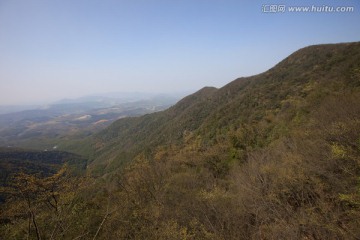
[290, 89]
[272, 156]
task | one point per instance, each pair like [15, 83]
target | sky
[55, 49]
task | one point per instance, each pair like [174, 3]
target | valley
[50, 127]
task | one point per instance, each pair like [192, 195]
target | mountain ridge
[248, 99]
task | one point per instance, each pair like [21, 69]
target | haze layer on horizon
[64, 49]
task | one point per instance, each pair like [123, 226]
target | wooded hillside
[272, 156]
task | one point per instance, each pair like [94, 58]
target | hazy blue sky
[52, 49]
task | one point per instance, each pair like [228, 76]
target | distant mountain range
[94, 101]
[44, 126]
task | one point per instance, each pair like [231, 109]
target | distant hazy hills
[115, 98]
[47, 126]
